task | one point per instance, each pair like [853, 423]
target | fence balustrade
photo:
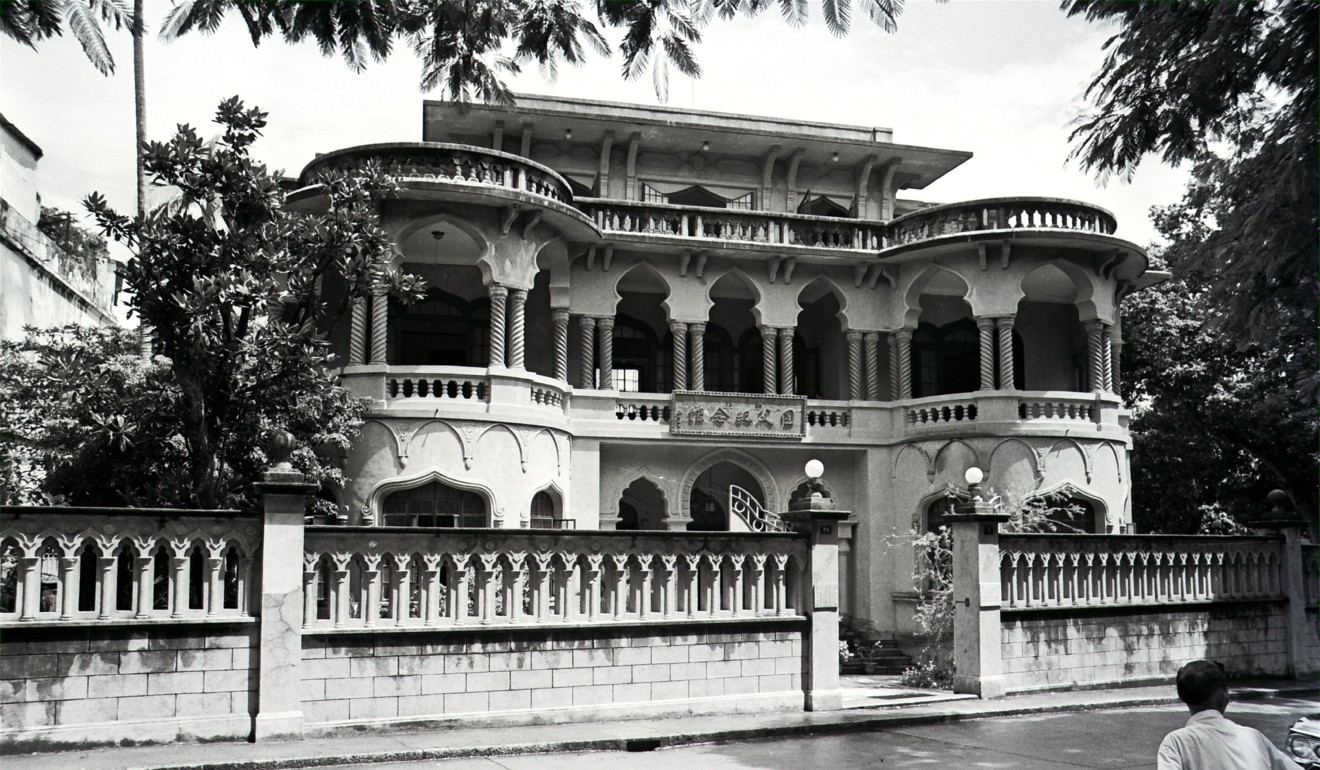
[642, 411]
[936, 414]
[360, 578]
[999, 214]
[454, 388]
[1057, 409]
[61, 564]
[1042, 571]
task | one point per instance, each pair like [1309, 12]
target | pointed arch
[643, 268]
[1087, 466]
[376, 496]
[1030, 452]
[927, 460]
[737, 457]
[977, 457]
[735, 273]
[528, 514]
[442, 221]
[628, 479]
[1067, 489]
[517, 440]
[918, 286]
[833, 287]
[1083, 285]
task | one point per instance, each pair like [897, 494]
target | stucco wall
[1049, 651]
[400, 677]
[90, 686]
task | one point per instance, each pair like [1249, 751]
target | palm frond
[882, 13]
[795, 12]
[838, 16]
[186, 15]
[82, 23]
[660, 79]
[680, 53]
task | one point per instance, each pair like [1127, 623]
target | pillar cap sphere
[814, 469]
[974, 475]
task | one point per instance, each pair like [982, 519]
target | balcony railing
[999, 214]
[760, 227]
[457, 163]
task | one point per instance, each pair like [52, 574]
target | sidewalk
[871, 703]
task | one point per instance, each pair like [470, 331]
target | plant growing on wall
[932, 577]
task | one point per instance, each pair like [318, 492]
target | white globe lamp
[815, 469]
[974, 476]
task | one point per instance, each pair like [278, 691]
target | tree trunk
[140, 114]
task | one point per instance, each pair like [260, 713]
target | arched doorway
[641, 507]
[709, 501]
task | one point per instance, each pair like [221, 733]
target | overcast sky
[999, 78]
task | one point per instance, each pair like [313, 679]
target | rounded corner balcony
[998, 219]
[460, 173]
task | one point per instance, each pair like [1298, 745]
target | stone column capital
[903, 335]
[678, 327]
[497, 291]
[852, 335]
[605, 322]
[587, 321]
[559, 314]
[1005, 321]
[697, 327]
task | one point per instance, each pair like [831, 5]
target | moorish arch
[754, 467]
[377, 497]
[626, 480]
[642, 506]
[1092, 513]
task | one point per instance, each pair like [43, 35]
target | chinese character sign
[737, 414]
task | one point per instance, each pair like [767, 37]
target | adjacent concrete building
[649, 318]
[41, 283]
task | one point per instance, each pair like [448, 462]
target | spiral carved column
[1107, 356]
[855, 366]
[1007, 380]
[871, 342]
[678, 330]
[605, 347]
[697, 349]
[904, 362]
[357, 333]
[498, 297]
[986, 334]
[769, 360]
[1096, 359]
[380, 307]
[786, 361]
[517, 327]
[586, 352]
[893, 365]
[559, 320]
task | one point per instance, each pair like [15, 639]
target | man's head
[1203, 685]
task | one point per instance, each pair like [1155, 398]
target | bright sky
[1001, 79]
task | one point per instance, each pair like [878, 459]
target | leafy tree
[1230, 88]
[228, 279]
[1216, 425]
[462, 43]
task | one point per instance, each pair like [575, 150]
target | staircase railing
[754, 515]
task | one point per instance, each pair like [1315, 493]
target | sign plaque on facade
[749, 415]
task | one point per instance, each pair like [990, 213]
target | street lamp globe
[815, 469]
[973, 476]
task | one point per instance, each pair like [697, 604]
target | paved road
[1099, 739]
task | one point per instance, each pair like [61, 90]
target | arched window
[434, 505]
[947, 359]
[544, 515]
[441, 330]
[750, 350]
[722, 369]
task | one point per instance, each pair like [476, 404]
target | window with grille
[435, 505]
[742, 202]
[652, 195]
[543, 512]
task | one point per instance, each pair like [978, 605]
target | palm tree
[461, 42]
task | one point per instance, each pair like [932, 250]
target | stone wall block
[511, 700]
[202, 704]
[385, 686]
[116, 686]
[205, 660]
[373, 708]
[674, 654]
[723, 668]
[146, 707]
[612, 675]
[484, 682]
[62, 688]
[227, 681]
[364, 667]
[175, 682]
[421, 705]
[438, 684]
[705, 688]
[593, 695]
[74, 712]
[557, 697]
[155, 662]
[467, 702]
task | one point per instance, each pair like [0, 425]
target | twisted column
[769, 360]
[1006, 379]
[586, 352]
[1107, 356]
[498, 297]
[559, 322]
[605, 347]
[986, 333]
[1115, 356]
[697, 349]
[855, 366]
[1095, 358]
[379, 312]
[786, 360]
[679, 330]
[872, 351]
[517, 327]
[893, 365]
[357, 333]
[904, 362]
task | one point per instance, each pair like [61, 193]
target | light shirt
[1211, 742]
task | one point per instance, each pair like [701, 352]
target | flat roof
[21, 137]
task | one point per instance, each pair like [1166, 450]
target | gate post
[977, 636]
[1292, 580]
[816, 517]
[283, 492]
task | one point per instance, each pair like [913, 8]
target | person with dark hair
[1209, 741]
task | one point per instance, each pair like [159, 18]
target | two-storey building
[649, 318]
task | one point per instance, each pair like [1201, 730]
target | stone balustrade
[761, 227]
[442, 162]
[824, 414]
[69, 565]
[999, 214]
[408, 578]
[1079, 407]
[923, 415]
[438, 385]
[1048, 571]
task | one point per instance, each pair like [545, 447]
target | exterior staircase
[748, 515]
